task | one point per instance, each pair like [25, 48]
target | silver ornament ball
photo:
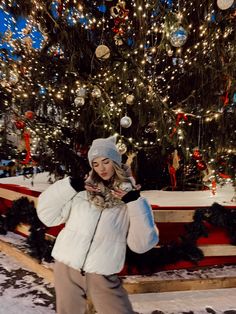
[81, 92]
[125, 122]
[178, 37]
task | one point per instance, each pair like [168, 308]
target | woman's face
[103, 166]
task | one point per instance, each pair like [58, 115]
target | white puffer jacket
[131, 224]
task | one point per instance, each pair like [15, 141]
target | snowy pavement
[22, 291]
[204, 301]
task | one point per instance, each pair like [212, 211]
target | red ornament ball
[29, 114]
[19, 124]
[201, 165]
[196, 154]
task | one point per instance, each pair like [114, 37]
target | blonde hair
[122, 174]
[121, 179]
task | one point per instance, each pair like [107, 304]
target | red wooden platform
[170, 220]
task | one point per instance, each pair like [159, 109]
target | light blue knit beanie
[104, 147]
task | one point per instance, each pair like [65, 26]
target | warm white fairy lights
[162, 83]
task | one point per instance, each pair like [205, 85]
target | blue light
[83, 20]
[213, 18]
[42, 91]
[130, 41]
[102, 8]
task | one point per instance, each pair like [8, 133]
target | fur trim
[105, 199]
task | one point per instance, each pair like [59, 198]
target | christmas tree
[159, 74]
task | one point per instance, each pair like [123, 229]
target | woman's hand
[118, 193]
[92, 187]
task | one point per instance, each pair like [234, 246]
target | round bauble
[122, 148]
[96, 92]
[115, 11]
[224, 4]
[81, 92]
[102, 52]
[178, 37]
[79, 101]
[118, 40]
[125, 122]
[29, 115]
[130, 99]
[201, 165]
[20, 124]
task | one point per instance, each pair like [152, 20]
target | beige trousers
[73, 290]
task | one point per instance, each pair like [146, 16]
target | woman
[99, 222]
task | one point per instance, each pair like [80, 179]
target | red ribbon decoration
[213, 187]
[224, 176]
[27, 147]
[226, 97]
[180, 116]
[172, 173]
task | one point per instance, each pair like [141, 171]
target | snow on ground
[188, 302]
[220, 271]
[23, 291]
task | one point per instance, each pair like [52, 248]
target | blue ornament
[130, 41]
[213, 18]
[102, 8]
[178, 37]
[83, 20]
[234, 98]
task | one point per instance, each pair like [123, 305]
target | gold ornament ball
[130, 99]
[96, 92]
[102, 52]
[79, 101]
[122, 148]
[224, 4]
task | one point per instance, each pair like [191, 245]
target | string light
[163, 76]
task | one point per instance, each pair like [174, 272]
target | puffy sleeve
[54, 203]
[143, 233]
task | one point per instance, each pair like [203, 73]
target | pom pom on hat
[104, 147]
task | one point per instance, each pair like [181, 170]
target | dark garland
[23, 211]
[185, 248]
